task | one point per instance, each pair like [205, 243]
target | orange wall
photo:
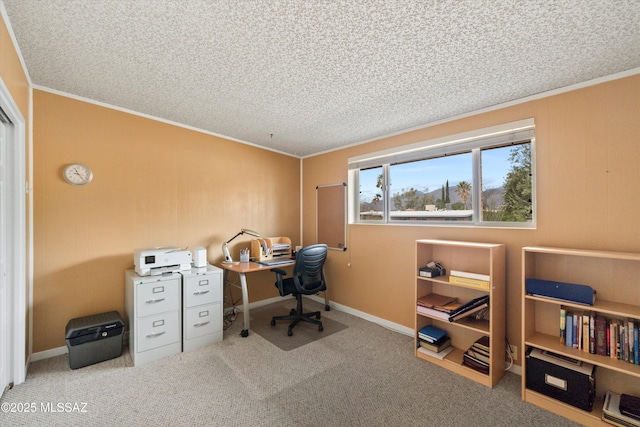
[588, 182]
[154, 184]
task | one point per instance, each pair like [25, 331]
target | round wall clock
[78, 174]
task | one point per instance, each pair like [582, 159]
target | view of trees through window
[443, 188]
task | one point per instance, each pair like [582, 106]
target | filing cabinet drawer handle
[197, 325]
[200, 292]
[156, 334]
[151, 301]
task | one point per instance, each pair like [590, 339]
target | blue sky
[434, 173]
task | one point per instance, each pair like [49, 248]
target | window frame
[507, 134]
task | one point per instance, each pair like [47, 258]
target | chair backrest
[307, 273]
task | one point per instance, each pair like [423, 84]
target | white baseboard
[257, 304]
[366, 316]
[516, 369]
[41, 355]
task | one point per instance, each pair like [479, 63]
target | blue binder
[431, 333]
[581, 294]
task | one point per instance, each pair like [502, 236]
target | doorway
[13, 282]
[4, 300]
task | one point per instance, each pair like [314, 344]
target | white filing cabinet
[153, 305]
[201, 307]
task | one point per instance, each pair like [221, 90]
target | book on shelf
[471, 304]
[592, 333]
[601, 339]
[568, 337]
[469, 275]
[431, 333]
[614, 331]
[436, 300]
[480, 355]
[475, 364]
[438, 355]
[477, 356]
[455, 311]
[563, 325]
[597, 334]
[636, 343]
[468, 313]
[482, 343]
[449, 308]
[438, 314]
[607, 337]
[437, 346]
[577, 330]
[629, 341]
[585, 332]
[465, 281]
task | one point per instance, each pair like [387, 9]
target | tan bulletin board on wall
[331, 215]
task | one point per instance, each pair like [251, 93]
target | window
[371, 197]
[483, 178]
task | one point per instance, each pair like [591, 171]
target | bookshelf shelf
[615, 276]
[481, 326]
[480, 258]
[605, 307]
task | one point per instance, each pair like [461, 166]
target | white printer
[161, 260]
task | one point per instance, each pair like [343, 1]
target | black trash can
[94, 339]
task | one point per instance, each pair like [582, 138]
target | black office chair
[308, 279]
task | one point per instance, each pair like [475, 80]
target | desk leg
[245, 305]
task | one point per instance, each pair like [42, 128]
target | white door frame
[4, 248]
[15, 186]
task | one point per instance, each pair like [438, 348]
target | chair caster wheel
[292, 312]
[244, 333]
[289, 332]
[273, 323]
[320, 328]
[318, 316]
[327, 308]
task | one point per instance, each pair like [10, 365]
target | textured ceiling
[304, 77]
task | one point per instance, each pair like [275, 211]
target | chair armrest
[279, 282]
[279, 271]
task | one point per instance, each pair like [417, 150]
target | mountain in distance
[492, 196]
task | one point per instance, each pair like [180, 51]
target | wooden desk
[242, 269]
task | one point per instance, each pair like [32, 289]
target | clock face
[78, 174]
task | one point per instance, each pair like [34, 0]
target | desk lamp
[225, 245]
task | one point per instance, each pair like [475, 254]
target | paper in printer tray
[582, 294]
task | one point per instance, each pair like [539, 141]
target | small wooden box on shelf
[485, 259]
[615, 276]
[270, 248]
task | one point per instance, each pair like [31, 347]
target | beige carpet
[364, 375]
[303, 333]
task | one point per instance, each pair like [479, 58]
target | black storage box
[94, 339]
[568, 380]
